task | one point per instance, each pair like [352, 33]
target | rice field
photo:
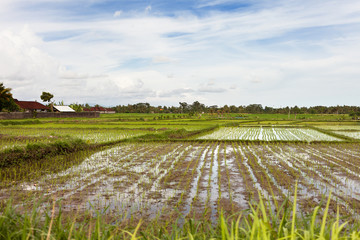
[352, 131]
[340, 127]
[268, 134]
[157, 181]
[46, 135]
[352, 134]
[173, 177]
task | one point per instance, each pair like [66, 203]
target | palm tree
[5, 97]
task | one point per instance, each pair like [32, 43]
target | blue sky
[276, 53]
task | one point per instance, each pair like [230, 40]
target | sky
[237, 52]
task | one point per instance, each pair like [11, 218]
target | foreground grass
[260, 222]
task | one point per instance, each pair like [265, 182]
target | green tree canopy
[6, 99]
[77, 107]
[46, 97]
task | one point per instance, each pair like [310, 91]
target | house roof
[64, 109]
[101, 109]
[97, 109]
[31, 105]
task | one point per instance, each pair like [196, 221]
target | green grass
[259, 222]
[36, 151]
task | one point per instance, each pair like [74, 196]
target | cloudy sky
[235, 52]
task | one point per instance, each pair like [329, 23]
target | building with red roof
[99, 109]
[32, 106]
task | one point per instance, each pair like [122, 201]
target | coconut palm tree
[6, 99]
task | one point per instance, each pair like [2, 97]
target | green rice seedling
[256, 225]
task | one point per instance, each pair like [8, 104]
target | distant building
[99, 109]
[32, 106]
[63, 109]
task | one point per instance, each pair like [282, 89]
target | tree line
[197, 107]
[7, 103]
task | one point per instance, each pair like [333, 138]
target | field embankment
[36, 151]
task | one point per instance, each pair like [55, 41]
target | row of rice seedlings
[226, 166]
[91, 135]
[283, 163]
[244, 168]
[286, 171]
[267, 182]
[141, 191]
[208, 188]
[268, 134]
[175, 192]
[226, 133]
[182, 187]
[212, 188]
[349, 152]
[340, 127]
[352, 134]
[286, 224]
[295, 164]
[251, 165]
[285, 175]
[310, 176]
[337, 172]
[135, 194]
[176, 165]
[329, 173]
[310, 183]
[204, 188]
[26, 181]
[32, 171]
[220, 165]
[350, 165]
[241, 192]
[313, 135]
[185, 179]
[166, 194]
[193, 192]
[296, 155]
[151, 177]
[8, 142]
[267, 171]
[76, 180]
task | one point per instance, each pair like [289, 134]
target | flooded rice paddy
[268, 134]
[91, 135]
[171, 180]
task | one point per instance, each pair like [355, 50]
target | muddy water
[162, 180]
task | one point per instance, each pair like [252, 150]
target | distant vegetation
[197, 107]
[7, 104]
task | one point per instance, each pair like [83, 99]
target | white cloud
[117, 13]
[288, 45]
[210, 3]
[148, 9]
[176, 93]
[210, 87]
[23, 66]
[162, 59]
[233, 86]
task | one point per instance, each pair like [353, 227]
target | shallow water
[156, 180]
